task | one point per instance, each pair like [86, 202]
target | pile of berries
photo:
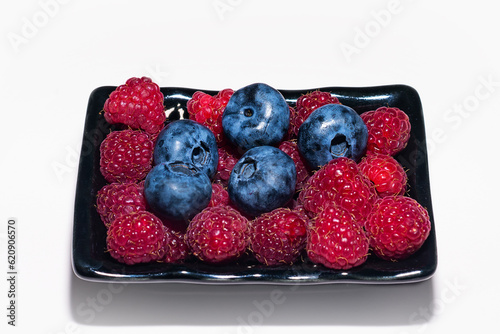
[339, 213]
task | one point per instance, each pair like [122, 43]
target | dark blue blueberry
[262, 180]
[187, 142]
[330, 132]
[176, 192]
[256, 115]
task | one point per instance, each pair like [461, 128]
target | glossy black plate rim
[91, 262]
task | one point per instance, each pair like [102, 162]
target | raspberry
[227, 160]
[138, 103]
[220, 195]
[397, 227]
[279, 236]
[336, 240]
[138, 237]
[388, 130]
[218, 234]
[385, 172]
[207, 110]
[176, 248]
[117, 199]
[126, 156]
[341, 182]
[291, 148]
[292, 132]
[307, 103]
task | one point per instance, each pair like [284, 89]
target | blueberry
[176, 192]
[187, 142]
[256, 115]
[262, 180]
[332, 131]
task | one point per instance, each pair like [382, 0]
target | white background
[54, 53]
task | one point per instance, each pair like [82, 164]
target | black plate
[92, 262]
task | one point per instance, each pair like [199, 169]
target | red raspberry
[207, 110]
[227, 160]
[138, 103]
[138, 237]
[117, 199]
[291, 148]
[176, 248]
[341, 182]
[336, 240]
[291, 134]
[220, 195]
[279, 236]
[126, 156]
[388, 130]
[309, 102]
[218, 234]
[385, 172]
[397, 227]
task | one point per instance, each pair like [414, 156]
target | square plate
[91, 261]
